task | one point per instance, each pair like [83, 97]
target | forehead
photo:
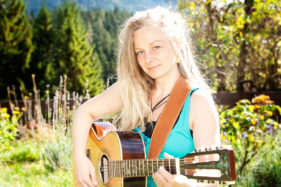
[147, 35]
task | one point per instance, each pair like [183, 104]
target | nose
[148, 57]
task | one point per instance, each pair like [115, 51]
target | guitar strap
[168, 117]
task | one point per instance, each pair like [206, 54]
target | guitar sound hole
[104, 168]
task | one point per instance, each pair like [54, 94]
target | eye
[156, 47]
[139, 53]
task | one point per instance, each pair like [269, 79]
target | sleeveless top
[179, 142]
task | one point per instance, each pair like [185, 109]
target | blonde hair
[135, 85]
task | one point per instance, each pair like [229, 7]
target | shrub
[266, 170]
[57, 153]
[245, 126]
[8, 127]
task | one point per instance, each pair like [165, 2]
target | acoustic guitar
[119, 160]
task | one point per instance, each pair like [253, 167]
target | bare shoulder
[200, 96]
[202, 107]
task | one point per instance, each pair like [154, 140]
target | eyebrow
[151, 43]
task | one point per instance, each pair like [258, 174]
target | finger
[88, 182]
[165, 174]
[93, 177]
[83, 184]
[92, 174]
[159, 180]
[167, 156]
[181, 180]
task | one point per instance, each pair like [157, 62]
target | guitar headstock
[210, 165]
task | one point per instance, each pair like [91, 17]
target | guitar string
[152, 160]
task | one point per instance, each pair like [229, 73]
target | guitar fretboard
[140, 167]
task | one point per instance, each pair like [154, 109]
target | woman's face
[155, 53]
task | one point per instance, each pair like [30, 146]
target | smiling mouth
[153, 67]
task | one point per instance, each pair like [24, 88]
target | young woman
[154, 51]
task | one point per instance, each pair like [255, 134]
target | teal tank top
[179, 142]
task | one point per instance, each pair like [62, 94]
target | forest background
[233, 43]
[68, 52]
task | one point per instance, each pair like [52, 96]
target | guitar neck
[184, 166]
[141, 167]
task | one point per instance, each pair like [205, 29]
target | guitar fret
[139, 167]
[157, 164]
[151, 166]
[143, 173]
[113, 168]
[147, 167]
[119, 168]
[169, 166]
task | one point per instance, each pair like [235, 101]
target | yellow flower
[16, 112]
[235, 124]
[4, 110]
[223, 137]
[254, 122]
[5, 115]
[257, 106]
[223, 121]
[275, 125]
[251, 139]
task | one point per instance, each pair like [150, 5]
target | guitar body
[100, 153]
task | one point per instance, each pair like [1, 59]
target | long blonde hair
[135, 86]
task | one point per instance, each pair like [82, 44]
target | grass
[37, 162]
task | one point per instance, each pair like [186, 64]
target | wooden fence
[225, 98]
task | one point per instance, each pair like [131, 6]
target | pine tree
[42, 63]
[75, 56]
[15, 45]
[105, 26]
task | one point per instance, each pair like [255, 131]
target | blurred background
[56, 54]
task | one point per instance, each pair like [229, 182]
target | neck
[164, 85]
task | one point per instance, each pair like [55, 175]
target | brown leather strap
[168, 117]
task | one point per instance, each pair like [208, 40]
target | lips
[153, 67]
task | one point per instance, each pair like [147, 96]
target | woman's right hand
[85, 172]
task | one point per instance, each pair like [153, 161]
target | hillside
[129, 5]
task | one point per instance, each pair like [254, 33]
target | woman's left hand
[163, 178]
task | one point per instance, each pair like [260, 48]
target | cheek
[140, 62]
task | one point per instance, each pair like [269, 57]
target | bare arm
[204, 120]
[106, 103]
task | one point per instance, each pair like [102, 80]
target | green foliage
[246, 124]
[29, 169]
[8, 127]
[43, 59]
[15, 44]
[266, 170]
[57, 153]
[75, 58]
[104, 29]
[239, 40]
[28, 152]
